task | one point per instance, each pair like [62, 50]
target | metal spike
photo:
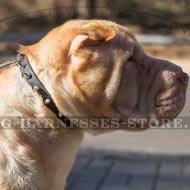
[36, 88]
[47, 101]
[60, 114]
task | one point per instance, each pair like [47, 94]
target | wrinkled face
[106, 73]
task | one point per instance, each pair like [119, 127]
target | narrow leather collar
[32, 79]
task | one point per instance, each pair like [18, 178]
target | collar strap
[35, 83]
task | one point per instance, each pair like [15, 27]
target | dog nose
[184, 78]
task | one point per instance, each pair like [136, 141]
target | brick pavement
[104, 170]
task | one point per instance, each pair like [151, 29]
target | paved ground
[103, 170]
[151, 160]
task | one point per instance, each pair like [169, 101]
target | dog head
[96, 68]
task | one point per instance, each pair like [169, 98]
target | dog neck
[48, 152]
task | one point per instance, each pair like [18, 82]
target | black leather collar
[30, 76]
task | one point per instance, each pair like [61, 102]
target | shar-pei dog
[85, 71]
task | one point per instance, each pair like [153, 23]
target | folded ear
[97, 33]
[92, 34]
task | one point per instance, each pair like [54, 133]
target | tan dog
[91, 68]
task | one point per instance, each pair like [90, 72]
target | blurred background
[150, 160]
[168, 17]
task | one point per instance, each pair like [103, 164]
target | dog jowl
[90, 69]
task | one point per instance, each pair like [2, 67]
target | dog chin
[162, 115]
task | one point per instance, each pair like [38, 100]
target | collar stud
[60, 115]
[36, 88]
[47, 101]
